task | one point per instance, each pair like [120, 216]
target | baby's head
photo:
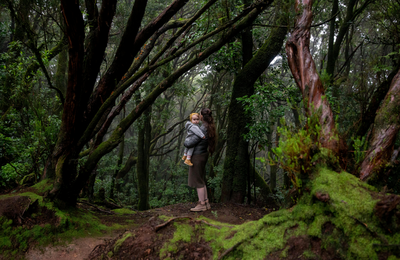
[194, 118]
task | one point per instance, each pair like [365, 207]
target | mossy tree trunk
[236, 165]
[119, 163]
[273, 168]
[142, 165]
[386, 127]
[237, 156]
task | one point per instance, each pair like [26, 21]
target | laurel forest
[305, 95]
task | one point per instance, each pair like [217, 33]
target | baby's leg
[189, 153]
[184, 154]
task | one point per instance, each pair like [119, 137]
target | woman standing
[197, 172]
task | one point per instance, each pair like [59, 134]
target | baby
[192, 129]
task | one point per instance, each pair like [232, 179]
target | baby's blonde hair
[192, 114]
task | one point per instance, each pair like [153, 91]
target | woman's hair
[211, 132]
[193, 114]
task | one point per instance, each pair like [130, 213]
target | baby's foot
[188, 162]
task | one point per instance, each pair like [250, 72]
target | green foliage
[26, 145]
[360, 148]
[266, 106]
[228, 58]
[28, 128]
[216, 183]
[297, 152]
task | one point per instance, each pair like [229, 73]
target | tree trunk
[236, 165]
[142, 165]
[373, 106]
[274, 168]
[121, 174]
[386, 127]
[330, 66]
[306, 76]
[119, 162]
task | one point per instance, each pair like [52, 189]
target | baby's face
[195, 119]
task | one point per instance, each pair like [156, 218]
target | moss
[309, 254]
[124, 211]
[183, 234]
[316, 226]
[119, 242]
[110, 254]
[284, 252]
[43, 186]
[164, 218]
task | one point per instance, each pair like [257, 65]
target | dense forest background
[94, 96]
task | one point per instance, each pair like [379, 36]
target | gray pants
[189, 151]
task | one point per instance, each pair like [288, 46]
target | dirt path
[77, 249]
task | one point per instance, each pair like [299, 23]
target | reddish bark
[386, 127]
[306, 76]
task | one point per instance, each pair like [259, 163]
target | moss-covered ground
[344, 226]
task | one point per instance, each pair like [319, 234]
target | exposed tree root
[183, 217]
[169, 221]
[97, 208]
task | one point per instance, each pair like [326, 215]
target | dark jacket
[200, 145]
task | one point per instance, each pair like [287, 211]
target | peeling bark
[306, 76]
[386, 127]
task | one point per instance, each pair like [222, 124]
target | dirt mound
[25, 212]
[14, 208]
[147, 241]
[154, 237]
